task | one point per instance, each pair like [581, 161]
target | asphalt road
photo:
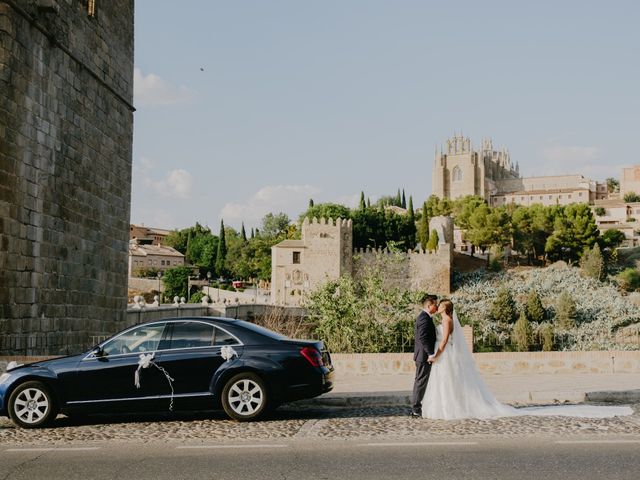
[475, 458]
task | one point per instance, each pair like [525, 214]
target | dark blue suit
[425, 335]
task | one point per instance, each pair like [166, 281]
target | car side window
[191, 335]
[144, 338]
[223, 338]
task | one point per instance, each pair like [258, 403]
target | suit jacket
[425, 335]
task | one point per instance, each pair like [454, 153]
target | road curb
[361, 399]
[394, 399]
[613, 396]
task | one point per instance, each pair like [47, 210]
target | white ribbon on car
[12, 364]
[228, 352]
[146, 360]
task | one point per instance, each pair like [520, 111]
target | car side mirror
[97, 352]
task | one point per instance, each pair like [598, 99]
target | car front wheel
[31, 405]
[244, 397]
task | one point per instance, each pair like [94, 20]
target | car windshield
[262, 331]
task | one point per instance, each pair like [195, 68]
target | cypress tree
[503, 310]
[398, 202]
[533, 308]
[253, 234]
[311, 204]
[432, 244]
[411, 212]
[566, 311]
[363, 206]
[368, 202]
[522, 333]
[404, 200]
[222, 251]
[423, 231]
[243, 233]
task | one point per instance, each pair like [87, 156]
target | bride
[455, 388]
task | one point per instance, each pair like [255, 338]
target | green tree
[423, 229]
[364, 314]
[437, 206]
[432, 244]
[546, 337]
[404, 200]
[311, 204]
[464, 207]
[503, 310]
[363, 205]
[326, 210]
[592, 264]
[613, 185]
[221, 254]
[566, 312]
[612, 239]
[175, 281]
[275, 225]
[534, 310]
[574, 231]
[398, 200]
[522, 333]
[243, 233]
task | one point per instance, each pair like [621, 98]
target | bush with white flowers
[601, 309]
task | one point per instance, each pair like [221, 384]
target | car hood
[50, 363]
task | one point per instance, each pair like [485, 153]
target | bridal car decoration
[146, 360]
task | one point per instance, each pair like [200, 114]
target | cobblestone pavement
[297, 422]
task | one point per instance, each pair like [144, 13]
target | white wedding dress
[456, 389]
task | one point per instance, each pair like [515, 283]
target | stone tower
[325, 252]
[459, 170]
[66, 122]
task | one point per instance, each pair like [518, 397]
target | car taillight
[313, 356]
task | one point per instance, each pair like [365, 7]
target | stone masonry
[66, 124]
[325, 253]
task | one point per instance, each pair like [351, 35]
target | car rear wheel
[31, 405]
[244, 397]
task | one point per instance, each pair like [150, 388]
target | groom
[425, 334]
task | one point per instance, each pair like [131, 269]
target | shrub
[631, 197]
[534, 309]
[196, 297]
[522, 333]
[546, 337]
[496, 257]
[566, 311]
[592, 263]
[629, 279]
[432, 244]
[504, 309]
[600, 211]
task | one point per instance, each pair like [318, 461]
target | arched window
[456, 175]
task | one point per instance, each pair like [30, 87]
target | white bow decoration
[146, 360]
[12, 364]
[228, 352]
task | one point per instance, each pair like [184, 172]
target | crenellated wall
[325, 252]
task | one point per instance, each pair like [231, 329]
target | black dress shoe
[415, 415]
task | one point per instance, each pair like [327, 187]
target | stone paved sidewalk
[308, 422]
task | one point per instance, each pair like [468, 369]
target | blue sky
[249, 107]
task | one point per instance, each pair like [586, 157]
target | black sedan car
[201, 363]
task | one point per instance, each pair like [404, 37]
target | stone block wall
[66, 123]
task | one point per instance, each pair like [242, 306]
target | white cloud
[151, 89]
[290, 199]
[176, 184]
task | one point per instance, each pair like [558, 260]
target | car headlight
[4, 377]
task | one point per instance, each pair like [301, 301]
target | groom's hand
[431, 358]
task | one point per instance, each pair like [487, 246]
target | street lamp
[159, 291]
[209, 284]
